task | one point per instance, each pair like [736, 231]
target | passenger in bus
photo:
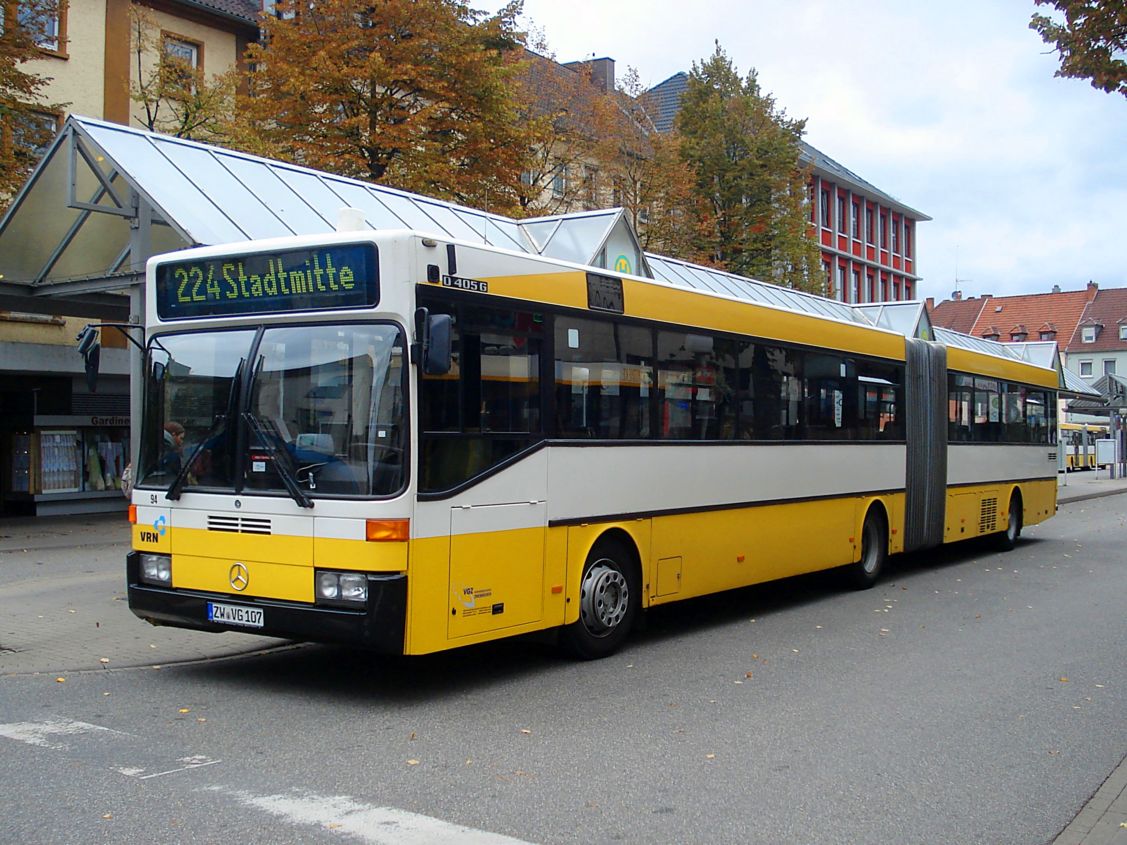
[171, 459]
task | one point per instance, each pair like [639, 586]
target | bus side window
[604, 379]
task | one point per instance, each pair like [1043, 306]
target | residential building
[1098, 346]
[867, 237]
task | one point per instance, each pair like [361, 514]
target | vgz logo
[158, 531]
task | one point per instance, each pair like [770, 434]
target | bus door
[496, 566]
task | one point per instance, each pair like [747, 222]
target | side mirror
[91, 351]
[437, 355]
[433, 340]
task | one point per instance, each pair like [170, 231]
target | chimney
[930, 304]
[601, 70]
[602, 74]
[956, 295]
[1093, 289]
[1056, 288]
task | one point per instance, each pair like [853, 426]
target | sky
[951, 107]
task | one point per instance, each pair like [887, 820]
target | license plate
[233, 614]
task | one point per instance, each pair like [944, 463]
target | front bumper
[378, 625]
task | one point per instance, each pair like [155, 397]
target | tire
[610, 595]
[874, 552]
[1007, 539]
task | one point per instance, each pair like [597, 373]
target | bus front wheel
[609, 597]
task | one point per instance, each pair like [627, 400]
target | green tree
[744, 154]
[26, 122]
[415, 94]
[1092, 40]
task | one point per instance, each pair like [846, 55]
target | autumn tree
[1091, 41]
[175, 96]
[26, 122]
[744, 154]
[415, 94]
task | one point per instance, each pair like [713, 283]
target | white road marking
[377, 825]
[44, 734]
[105, 746]
[196, 762]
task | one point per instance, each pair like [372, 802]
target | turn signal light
[387, 530]
[132, 514]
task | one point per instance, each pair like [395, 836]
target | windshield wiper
[272, 442]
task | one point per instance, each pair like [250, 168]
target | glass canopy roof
[73, 220]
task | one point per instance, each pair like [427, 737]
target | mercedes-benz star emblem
[239, 577]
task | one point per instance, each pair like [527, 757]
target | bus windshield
[304, 411]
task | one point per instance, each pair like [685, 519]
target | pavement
[62, 590]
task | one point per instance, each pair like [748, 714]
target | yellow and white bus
[384, 439]
[1078, 441]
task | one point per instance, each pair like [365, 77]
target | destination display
[313, 279]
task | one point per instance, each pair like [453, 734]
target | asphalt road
[971, 697]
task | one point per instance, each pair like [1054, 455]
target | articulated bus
[1078, 441]
[387, 440]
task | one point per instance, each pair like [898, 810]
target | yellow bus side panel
[437, 597]
[980, 510]
[1039, 500]
[687, 555]
[732, 548]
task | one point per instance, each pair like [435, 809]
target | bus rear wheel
[874, 552]
[609, 597]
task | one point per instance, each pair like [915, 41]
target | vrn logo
[158, 530]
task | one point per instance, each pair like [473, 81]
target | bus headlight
[156, 569]
[347, 587]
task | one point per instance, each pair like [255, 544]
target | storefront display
[68, 464]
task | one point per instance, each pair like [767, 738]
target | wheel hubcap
[604, 598]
